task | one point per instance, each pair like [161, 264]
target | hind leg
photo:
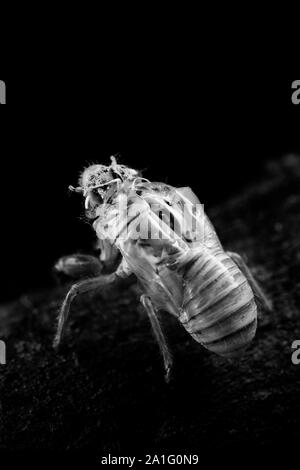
[258, 292]
[158, 335]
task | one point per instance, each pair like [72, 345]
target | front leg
[146, 301]
[257, 290]
[78, 265]
[79, 288]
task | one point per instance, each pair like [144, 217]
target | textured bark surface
[104, 390]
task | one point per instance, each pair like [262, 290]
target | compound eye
[93, 199]
[96, 197]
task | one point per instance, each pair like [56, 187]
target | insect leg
[79, 288]
[258, 292]
[78, 265]
[158, 335]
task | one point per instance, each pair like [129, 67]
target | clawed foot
[168, 374]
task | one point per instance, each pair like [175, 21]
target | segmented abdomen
[219, 307]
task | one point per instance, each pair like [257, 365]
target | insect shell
[177, 258]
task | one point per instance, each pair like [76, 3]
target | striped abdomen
[219, 307]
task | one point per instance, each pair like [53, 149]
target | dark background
[213, 134]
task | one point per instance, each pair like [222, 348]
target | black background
[213, 134]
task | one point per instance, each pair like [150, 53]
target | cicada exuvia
[162, 235]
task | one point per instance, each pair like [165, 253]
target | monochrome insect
[163, 236]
